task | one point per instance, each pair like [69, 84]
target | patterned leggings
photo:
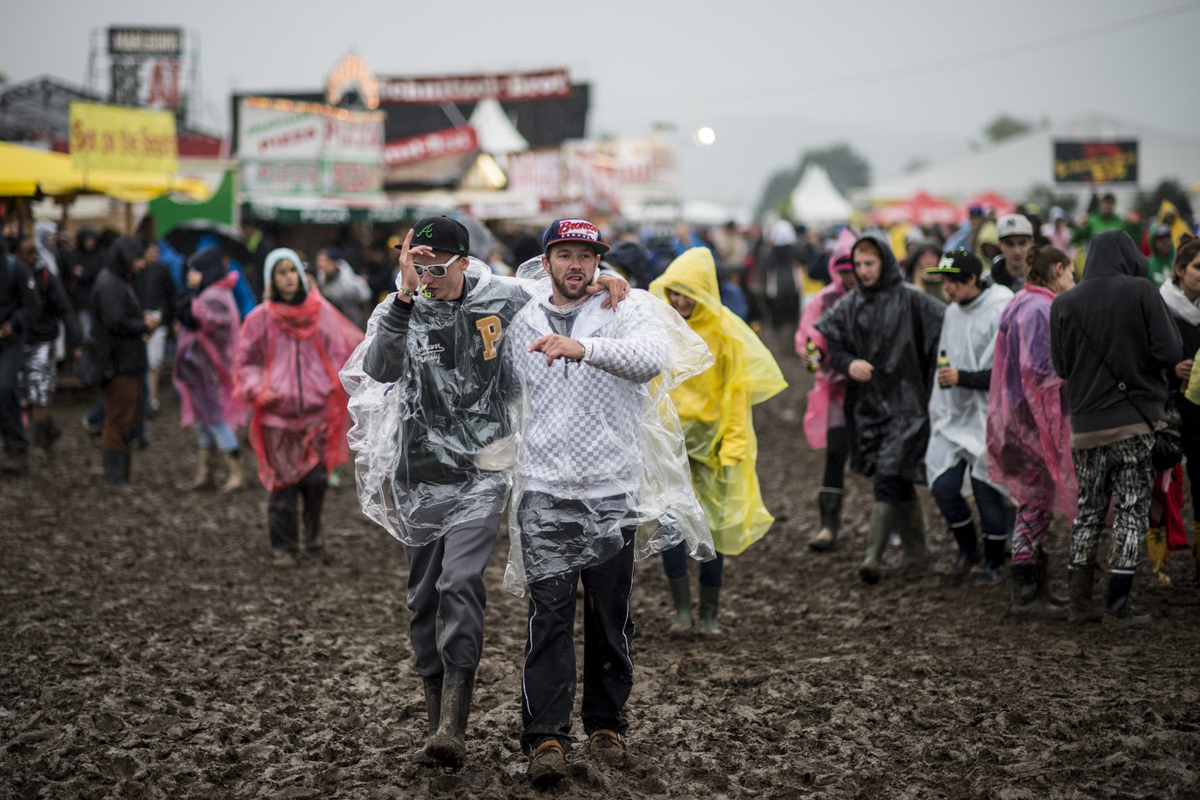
[1030, 533]
[1120, 472]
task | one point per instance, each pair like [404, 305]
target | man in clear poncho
[602, 455]
[714, 408]
[434, 441]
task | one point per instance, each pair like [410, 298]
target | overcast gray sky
[896, 80]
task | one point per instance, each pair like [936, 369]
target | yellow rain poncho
[714, 406]
[1178, 226]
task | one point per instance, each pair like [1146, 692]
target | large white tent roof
[497, 135]
[816, 201]
[1015, 165]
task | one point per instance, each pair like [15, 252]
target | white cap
[1013, 225]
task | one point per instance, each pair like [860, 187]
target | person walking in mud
[433, 436]
[958, 413]
[715, 409]
[884, 337]
[824, 413]
[289, 351]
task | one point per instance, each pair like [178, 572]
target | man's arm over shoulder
[636, 353]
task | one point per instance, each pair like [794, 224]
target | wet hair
[1189, 248]
[1041, 262]
[871, 243]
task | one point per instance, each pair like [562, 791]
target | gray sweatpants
[445, 580]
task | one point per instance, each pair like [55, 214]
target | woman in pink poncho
[291, 349]
[824, 419]
[1029, 426]
[209, 320]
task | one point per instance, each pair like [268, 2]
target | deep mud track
[151, 650]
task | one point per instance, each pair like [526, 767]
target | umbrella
[186, 237]
[920, 209]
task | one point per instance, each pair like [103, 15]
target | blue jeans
[675, 564]
[219, 436]
[947, 493]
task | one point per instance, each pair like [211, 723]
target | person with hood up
[777, 266]
[1028, 427]
[1169, 215]
[884, 337]
[1113, 341]
[19, 302]
[40, 371]
[118, 345]
[342, 286]
[1166, 531]
[286, 370]
[824, 415]
[208, 344]
[87, 261]
[718, 427]
[958, 413]
[1162, 257]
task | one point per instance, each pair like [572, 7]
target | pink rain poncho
[824, 408]
[287, 371]
[204, 359]
[1028, 423]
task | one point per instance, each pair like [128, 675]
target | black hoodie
[19, 298]
[119, 321]
[1126, 321]
[895, 327]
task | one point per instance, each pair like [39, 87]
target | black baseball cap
[573, 230]
[959, 261]
[441, 233]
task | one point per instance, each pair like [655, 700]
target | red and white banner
[504, 87]
[449, 142]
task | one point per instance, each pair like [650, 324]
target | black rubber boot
[448, 743]
[1044, 582]
[968, 548]
[829, 503]
[681, 596]
[39, 437]
[914, 558]
[1116, 598]
[114, 469]
[706, 620]
[1080, 581]
[883, 518]
[1027, 597]
[993, 561]
[433, 702]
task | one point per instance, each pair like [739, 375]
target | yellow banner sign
[116, 138]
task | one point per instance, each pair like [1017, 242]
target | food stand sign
[111, 137]
[1096, 162]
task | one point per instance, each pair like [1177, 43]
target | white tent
[1017, 164]
[497, 135]
[816, 201]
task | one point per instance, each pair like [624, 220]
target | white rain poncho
[958, 416]
[602, 447]
[435, 444]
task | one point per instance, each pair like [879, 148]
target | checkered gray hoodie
[584, 436]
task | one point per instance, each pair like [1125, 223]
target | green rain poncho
[714, 406]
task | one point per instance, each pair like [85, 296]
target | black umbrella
[186, 237]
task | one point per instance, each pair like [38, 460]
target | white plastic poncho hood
[612, 450]
[958, 416]
[435, 448]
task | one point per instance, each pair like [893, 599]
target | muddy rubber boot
[883, 516]
[1027, 597]
[681, 596]
[233, 472]
[1159, 555]
[914, 558]
[968, 548]
[1047, 593]
[433, 702]
[204, 464]
[1080, 581]
[448, 744]
[829, 502]
[53, 433]
[114, 469]
[993, 561]
[1116, 600]
[706, 619]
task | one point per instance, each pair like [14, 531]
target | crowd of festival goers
[1041, 366]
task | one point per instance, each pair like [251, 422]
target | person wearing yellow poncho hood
[714, 408]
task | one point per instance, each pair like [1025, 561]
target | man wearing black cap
[575, 495]
[958, 412]
[437, 475]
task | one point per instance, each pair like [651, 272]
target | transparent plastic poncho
[204, 357]
[435, 439]
[1028, 421]
[601, 447]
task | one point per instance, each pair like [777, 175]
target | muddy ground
[151, 650]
